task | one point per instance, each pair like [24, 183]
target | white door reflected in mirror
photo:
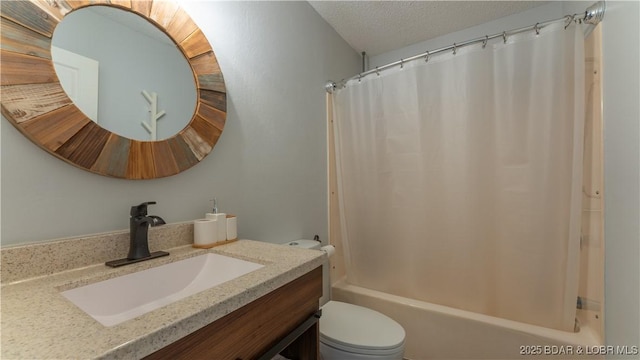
[134, 55]
[79, 78]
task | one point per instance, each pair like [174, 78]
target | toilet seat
[356, 329]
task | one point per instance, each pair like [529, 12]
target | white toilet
[351, 332]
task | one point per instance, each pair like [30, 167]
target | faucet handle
[141, 210]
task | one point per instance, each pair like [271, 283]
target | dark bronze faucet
[139, 224]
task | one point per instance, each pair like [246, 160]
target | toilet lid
[346, 326]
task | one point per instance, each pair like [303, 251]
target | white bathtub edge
[586, 336]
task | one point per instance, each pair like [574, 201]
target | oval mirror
[123, 73]
[34, 101]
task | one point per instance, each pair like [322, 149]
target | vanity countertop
[39, 323]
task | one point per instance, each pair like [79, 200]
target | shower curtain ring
[504, 36]
[426, 58]
[377, 71]
[455, 48]
[570, 19]
[360, 77]
[484, 42]
[537, 29]
[401, 63]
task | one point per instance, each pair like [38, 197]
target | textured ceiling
[380, 26]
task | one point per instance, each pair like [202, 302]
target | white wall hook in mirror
[154, 115]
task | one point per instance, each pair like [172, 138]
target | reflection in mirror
[124, 73]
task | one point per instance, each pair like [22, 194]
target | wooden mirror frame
[35, 103]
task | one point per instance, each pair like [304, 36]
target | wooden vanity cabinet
[254, 329]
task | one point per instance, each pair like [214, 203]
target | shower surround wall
[591, 283]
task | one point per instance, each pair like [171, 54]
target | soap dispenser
[215, 206]
[221, 218]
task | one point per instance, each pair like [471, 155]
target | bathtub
[441, 332]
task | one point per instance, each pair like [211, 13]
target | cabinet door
[253, 329]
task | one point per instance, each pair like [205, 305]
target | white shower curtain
[460, 178]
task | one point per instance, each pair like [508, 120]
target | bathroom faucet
[139, 224]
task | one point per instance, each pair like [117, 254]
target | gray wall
[621, 56]
[621, 47]
[269, 166]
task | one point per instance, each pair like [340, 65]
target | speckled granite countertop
[39, 323]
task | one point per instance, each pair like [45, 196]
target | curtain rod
[592, 15]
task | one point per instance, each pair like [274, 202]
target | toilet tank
[326, 284]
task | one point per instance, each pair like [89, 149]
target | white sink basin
[126, 297]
